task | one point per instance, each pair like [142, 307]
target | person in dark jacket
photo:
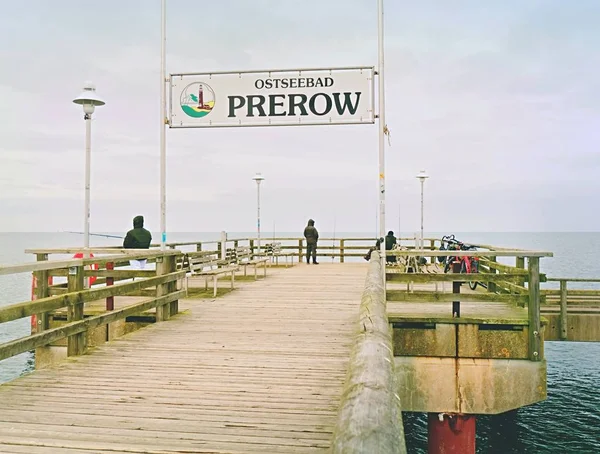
[390, 242]
[138, 238]
[312, 237]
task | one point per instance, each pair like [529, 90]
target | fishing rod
[98, 234]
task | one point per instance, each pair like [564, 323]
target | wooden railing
[505, 284]
[337, 248]
[340, 249]
[163, 280]
[370, 415]
[582, 301]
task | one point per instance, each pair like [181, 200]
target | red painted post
[450, 433]
[110, 300]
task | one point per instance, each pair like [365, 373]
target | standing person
[390, 242]
[312, 236]
[138, 238]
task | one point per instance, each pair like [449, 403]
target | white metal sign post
[299, 97]
[382, 131]
[163, 125]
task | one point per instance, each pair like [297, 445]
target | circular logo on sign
[197, 100]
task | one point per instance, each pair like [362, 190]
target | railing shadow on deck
[370, 415]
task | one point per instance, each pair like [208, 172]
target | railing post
[533, 309]
[300, 250]
[342, 250]
[162, 267]
[39, 322]
[520, 263]
[492, 285]
[198, 247]
[456, 289]
[431, 247]
[564, 332]
[172, 286]
[223, 245]
[251, 241]
[110, 300]
[76, 344]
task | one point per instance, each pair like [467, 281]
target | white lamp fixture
[89, 99]
[258, 178]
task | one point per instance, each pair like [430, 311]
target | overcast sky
[499, 101]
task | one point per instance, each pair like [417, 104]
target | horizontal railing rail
[73, 297]
[370, 414]
[511, 285]
[575, 302]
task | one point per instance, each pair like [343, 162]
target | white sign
[272, 98]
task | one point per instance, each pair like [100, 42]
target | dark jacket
[311, 233]
[390, 240]
[138, 237]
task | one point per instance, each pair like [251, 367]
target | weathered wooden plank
[76, 342]
[101, 261]
[563, 311]
[427, 297]
[502, 267]
[117, 274]
[260, 370]
[497, 253]
[452, 277]
[25, 309]
[370, 416]
[533, 308]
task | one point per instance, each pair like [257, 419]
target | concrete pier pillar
[450, 433]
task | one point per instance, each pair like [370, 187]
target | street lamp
[422, 176]
[89, 99]
[258, 178]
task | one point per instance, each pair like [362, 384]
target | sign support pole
[382, 131]
[163, 126]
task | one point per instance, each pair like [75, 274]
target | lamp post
[89, 99]
[258, 178]
[422, 176]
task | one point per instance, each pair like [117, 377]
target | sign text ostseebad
[272, 98]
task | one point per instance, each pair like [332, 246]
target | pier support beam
[451, 433]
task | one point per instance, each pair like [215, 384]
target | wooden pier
[305, 359]
[259, 370]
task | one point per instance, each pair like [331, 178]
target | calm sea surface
[567, 422]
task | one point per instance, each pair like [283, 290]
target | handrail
[459, 253]
[25, 309]
[370, 415]
[164, 279]
[572, 279]
[101, 260]
[95, 250]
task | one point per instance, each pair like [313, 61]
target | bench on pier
[244, 257]
[274, 251]
[208, 264]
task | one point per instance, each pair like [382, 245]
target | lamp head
[258, 178]
[422, 175]
[89, 99]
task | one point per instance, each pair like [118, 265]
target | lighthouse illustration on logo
[197, 100]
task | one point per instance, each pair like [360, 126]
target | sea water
[567, 422]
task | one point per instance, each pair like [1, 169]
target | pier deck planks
[258, 370]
